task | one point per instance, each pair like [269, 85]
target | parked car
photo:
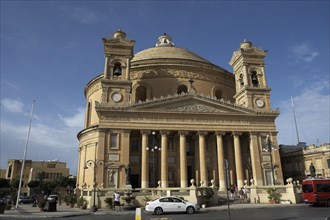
[52, 198]
[316, 191]
[171, 204]
[25, 200]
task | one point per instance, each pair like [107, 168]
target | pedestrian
[231, 190]
[244, 194]
[116, 199]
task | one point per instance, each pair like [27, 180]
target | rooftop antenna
[23, 163]
[295, 120]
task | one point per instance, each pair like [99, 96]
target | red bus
[316, 191]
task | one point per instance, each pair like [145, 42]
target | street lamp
[269, 148]
[153, 149]
[95, 164]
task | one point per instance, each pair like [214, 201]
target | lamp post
[95, 164]
[269, 148]
[153, 149]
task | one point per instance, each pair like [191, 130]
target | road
[300, 212]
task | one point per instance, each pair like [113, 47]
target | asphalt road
[302, 212]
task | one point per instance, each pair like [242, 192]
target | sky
[50, 50]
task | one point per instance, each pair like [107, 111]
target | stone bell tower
[250, 78]
[116, 84]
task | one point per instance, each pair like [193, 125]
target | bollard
[138, 214]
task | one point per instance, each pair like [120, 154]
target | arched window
[254, 79]
[182, 89]
[117, 70]
[10, 169]
[218, 94]
[88, 118]
[141, 94]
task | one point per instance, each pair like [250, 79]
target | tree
[4, 187]
[34, 186]
[4, 183]
[41, 176]
[15, 183]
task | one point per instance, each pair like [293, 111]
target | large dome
[167, 53]
[165, 49]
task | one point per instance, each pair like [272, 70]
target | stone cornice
[165, 100]
[86, 130]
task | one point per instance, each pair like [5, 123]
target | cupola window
[254, 79]
[141, 94]
[117, 70]
[218, 94]
[182, 89]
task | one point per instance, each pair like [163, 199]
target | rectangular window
[323, 187]
[114, 141]
[328, 160]
[307, 188]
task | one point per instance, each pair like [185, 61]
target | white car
[171, 204]
[52, 198]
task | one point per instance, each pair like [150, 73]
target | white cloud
[11, 85]
[312, 109]
[84, 15]
[75, 121]
[12, 105]
[303, 52]
[48, 140]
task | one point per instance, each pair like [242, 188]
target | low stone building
[296, 161]
[52, 168]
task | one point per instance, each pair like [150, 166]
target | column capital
[165, 132]
[237, 133]
[273, 133]
[220, 133]
[203, 133]
[185, 133]
[103, 130]
[145, 132]
[254, 133]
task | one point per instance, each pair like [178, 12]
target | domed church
[166, 117]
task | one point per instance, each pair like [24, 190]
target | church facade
[164, 116]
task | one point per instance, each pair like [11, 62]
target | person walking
[116, 201]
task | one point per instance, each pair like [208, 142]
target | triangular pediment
[191, 103]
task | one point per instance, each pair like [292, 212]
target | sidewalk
[27, 211]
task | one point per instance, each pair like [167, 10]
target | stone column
[238, 160]
[106, 72]
[164, 170]
[220, 155]
[255, 159]
[128, 66]
[125, 156]
[276, 159]
[100, 156]
[183, 159]
[202, 159]
[145, 160]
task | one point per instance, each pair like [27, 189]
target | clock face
[116, 97]
[260, 103]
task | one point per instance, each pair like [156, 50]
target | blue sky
[51, 49]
